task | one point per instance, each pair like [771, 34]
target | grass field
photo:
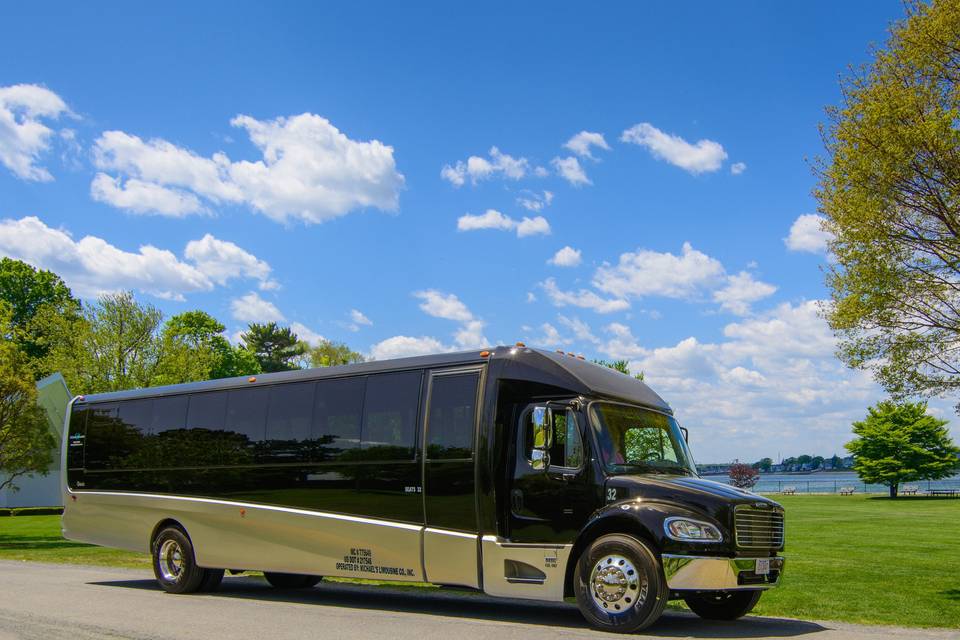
[850, 558]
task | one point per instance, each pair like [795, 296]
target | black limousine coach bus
[518, 472]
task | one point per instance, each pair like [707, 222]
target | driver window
[567, 448]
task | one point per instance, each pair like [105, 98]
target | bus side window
[289, 423]
[247, 417]
[453, 411]
[390, 409]
[337, 412]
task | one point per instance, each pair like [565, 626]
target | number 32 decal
[611, 495]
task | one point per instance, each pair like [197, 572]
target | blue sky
[627, 181]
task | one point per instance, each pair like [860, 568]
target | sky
[623, 181]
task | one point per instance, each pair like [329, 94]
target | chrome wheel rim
[615, 584]
[171, 561]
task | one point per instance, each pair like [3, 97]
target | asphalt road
[54, 602]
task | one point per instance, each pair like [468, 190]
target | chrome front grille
[758, 528]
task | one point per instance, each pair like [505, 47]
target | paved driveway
[53, 602]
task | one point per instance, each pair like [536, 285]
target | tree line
[116, 342]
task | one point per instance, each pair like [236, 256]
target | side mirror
[686, 434]
[542, 438]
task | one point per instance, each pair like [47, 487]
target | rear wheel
[619, 584]
[723, 605]
[174, 564]
[290, 580]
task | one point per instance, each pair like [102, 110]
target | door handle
[516, 500]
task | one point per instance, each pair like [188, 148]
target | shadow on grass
[476, 606]
[951, 594]
[913, 498]
[42, 544]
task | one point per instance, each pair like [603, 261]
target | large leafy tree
[890, 191]
[26, 291]
[899, 443]
[114, 344]
[275, 348]
[330, 354]
[193, 348]
[25, 438]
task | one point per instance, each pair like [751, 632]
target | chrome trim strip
[255, 505]
[703, 573]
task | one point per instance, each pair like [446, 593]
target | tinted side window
[246, 422]
[390, 410]
[452, 416]
[289, 423]
[567, 448]
[337, 413]
[136, 417]
[169, 413]
[105, 441]
[207, 411]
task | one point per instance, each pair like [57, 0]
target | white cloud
[307, 334]
[741, 291]
[646, 273]
[583, 298]
[449, 307]
[702, 157]
[535, 202]
[807, 234]
[253, 308]
[550, 337]
[570, 170]
[358, 320]
[443, 305]
[566, 257]
[91, 266]
[308, 171]
[478, 169]
[493, 219]
[23, 135]
[221, 260]
[581, 330]
[581, 143]
[138, 196]
[738, 167]
[405, 346]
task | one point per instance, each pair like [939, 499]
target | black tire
[291, 580]
[174, 563]
[211, 581]
[644, 591]
[723, 605]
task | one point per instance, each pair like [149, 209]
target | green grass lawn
[850, 558]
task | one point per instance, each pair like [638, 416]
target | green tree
[113, 345]
[890, 192]
[763, 464]
[619, 365]
[193, 348]
[899, 443]
[330, 354]
[28, 290]
[25, 438]
[275, 348]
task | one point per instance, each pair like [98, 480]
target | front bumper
[702, 573]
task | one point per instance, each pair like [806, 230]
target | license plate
[763, 566]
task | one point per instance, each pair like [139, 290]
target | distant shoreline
[791, 473]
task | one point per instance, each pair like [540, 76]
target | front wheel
[620, 585]
[723, 605]
[290, 580]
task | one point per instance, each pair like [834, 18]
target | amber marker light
[520, 344]
[484, 354]
[252, 379]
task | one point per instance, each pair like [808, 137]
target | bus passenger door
[449, 487]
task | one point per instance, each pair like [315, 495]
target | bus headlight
[687, 530]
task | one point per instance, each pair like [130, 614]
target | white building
[37, 490]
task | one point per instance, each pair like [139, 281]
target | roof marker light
[520, 344]
[252, 379]
[560, 351]
[484, 354]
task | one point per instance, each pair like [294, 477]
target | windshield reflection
[637, 440]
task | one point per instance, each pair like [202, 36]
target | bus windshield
[636, 440]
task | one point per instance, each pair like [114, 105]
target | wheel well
[163, 524]
[601, 528]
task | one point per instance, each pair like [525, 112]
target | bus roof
[560, 369]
